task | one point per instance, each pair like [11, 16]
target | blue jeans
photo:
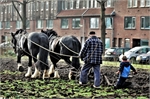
[84, 73]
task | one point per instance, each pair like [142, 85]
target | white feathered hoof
[29, 72]
[72, 75]
[45, 74]
[36, 74]
[56, 75]
[20, 67]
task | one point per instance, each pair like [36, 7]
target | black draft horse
[31, 45]
[63, 48]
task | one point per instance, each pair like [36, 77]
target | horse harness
[53, 42]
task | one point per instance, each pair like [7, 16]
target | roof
[71, 13]
[84, 12]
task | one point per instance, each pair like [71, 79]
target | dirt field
[140, 82]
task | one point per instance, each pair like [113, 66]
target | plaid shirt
[92, 51]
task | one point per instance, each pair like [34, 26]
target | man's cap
[92, 32]
[124, 58]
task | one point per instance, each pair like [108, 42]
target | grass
[58, 88]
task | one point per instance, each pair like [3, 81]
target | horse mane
[18, 31]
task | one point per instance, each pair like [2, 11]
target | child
[123, 72]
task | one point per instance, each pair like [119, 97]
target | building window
[132, 3]
[76, 23]
[77, 3]
[108, 22]
[94, 23]
[127, 43]
[1, 25]
[145, 22]
[42, 6]
[110, 3]
[39, 24]
[144, 42]
[144, 3]
[129, 23]
[49, 24]
[71, 4]
[18, 24]
[147, 3]
[47, 5]
[107, 43]
[28, 24]
[64, 23]
[7, 25]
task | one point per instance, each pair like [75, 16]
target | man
[91, 54]
[123, 72]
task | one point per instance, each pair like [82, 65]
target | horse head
[16, 38]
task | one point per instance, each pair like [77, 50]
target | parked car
[134, 52]
[143, 58]
[114, 52]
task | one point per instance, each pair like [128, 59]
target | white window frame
[42, 6]
[71, 4]
[94, 23]
[143, 19]
[1, 25]
[49, 24]
[18, 24]
[39, 24]
[110, 22]
[47, 6]
[133, 22]
[77, 3]
[7, 24]
[132, 3]
[142, 3]
[76, 23]
[28, 24]
[147, 3]
[64, 23]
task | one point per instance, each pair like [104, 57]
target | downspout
[83, 25]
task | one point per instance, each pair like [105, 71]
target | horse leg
[46, 74]
[36, 73]
[29, 72]
[20, 67]
[52, 70]
[36, 64]
[76, 65]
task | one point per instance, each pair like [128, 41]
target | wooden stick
[107, 80]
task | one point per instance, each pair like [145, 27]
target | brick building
[127, 21]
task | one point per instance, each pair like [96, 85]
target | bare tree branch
[17, 1]
[17, 10]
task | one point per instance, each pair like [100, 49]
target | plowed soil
[140, 82]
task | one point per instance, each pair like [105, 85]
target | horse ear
[42, 30]
[12, 34]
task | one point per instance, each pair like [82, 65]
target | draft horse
[63, 48]
[31, 45]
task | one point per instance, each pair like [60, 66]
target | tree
[102, 17]
[22, 16]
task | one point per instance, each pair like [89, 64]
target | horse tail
[43, 53]
[75, 60]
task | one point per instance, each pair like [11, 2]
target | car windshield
[148, 52]
[110, 50]
[134, 49]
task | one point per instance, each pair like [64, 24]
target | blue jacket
[125, 68]
[92, 51]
